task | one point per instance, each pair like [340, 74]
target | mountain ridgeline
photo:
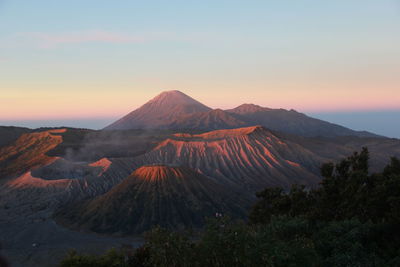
[176, 111]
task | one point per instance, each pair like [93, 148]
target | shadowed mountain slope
[8, 134]
[173, 197]
[334, 148]
[207, 121]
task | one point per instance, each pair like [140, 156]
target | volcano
[169, 196]
[175, 110]
[160, 112]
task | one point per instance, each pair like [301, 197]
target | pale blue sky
[89, 61]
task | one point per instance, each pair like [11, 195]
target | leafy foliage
[347, 191]
[111, 258]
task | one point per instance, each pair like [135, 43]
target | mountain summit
[172, 98]
[160, 112]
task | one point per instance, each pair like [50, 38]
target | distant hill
[292, 122]
[176, 111]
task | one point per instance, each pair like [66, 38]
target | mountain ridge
[175, 110]
[249, 157]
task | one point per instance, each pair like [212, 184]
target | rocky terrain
[60, 188]
[247, 158]
[172, 197]
[28, 152]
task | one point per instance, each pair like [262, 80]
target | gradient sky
[89, 62]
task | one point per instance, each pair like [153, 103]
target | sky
[86, 63]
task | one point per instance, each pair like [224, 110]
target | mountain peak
[173, 97]
[160, 111]
[249, 105]
[247, 108]
[172, 93]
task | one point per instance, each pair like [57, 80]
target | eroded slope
[174, 197]
[249, 158]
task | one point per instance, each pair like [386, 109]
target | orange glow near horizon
[336, 57]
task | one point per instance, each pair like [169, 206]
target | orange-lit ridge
[223, 133]
[159, 172]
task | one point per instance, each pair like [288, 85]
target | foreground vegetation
[352, 219]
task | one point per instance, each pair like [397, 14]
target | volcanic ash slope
[248, 158]
[172, 197]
